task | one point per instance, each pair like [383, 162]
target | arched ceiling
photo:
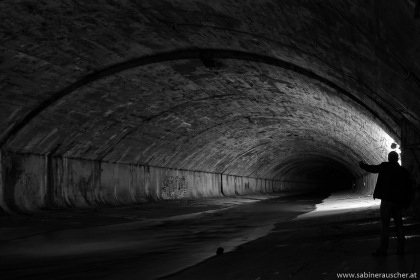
[263, 89]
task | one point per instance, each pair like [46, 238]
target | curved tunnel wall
[236, 121]
[42, 182]
[255, 94]
[258, 140]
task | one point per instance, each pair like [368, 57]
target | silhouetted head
[393, 156]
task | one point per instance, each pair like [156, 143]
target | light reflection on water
[199, 234]
[185, 240]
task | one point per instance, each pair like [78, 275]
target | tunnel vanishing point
[124, 102]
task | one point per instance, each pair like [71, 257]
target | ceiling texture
[263, 89]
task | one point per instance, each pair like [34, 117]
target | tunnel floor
[278, 236]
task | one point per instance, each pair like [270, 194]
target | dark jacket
[393, 182]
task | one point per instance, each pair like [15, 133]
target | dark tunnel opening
[320, 173]
[331, 179]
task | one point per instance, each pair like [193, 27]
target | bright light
[387, 144]
[342, 203]
[347, 204]
[395, 147]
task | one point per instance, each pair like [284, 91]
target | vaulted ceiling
[253, 88]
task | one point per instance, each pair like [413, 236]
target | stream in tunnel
[148, 248]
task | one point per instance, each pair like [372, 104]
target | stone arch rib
[206, 56]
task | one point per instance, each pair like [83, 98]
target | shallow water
[149, 248]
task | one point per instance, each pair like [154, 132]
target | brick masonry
[293, 85]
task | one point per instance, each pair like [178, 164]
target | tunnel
[110, 104]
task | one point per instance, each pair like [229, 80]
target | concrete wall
[236, 185]
[297, 185]
[33, 182]
[365, 184]
[410, 158]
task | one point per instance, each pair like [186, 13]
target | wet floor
[333, 242]
[179, 239]
[147, 248]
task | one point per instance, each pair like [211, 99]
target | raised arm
[370, 168]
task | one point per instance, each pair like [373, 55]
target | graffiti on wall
[29, 183]
[174, 187]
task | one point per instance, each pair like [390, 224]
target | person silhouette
[392, 188]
